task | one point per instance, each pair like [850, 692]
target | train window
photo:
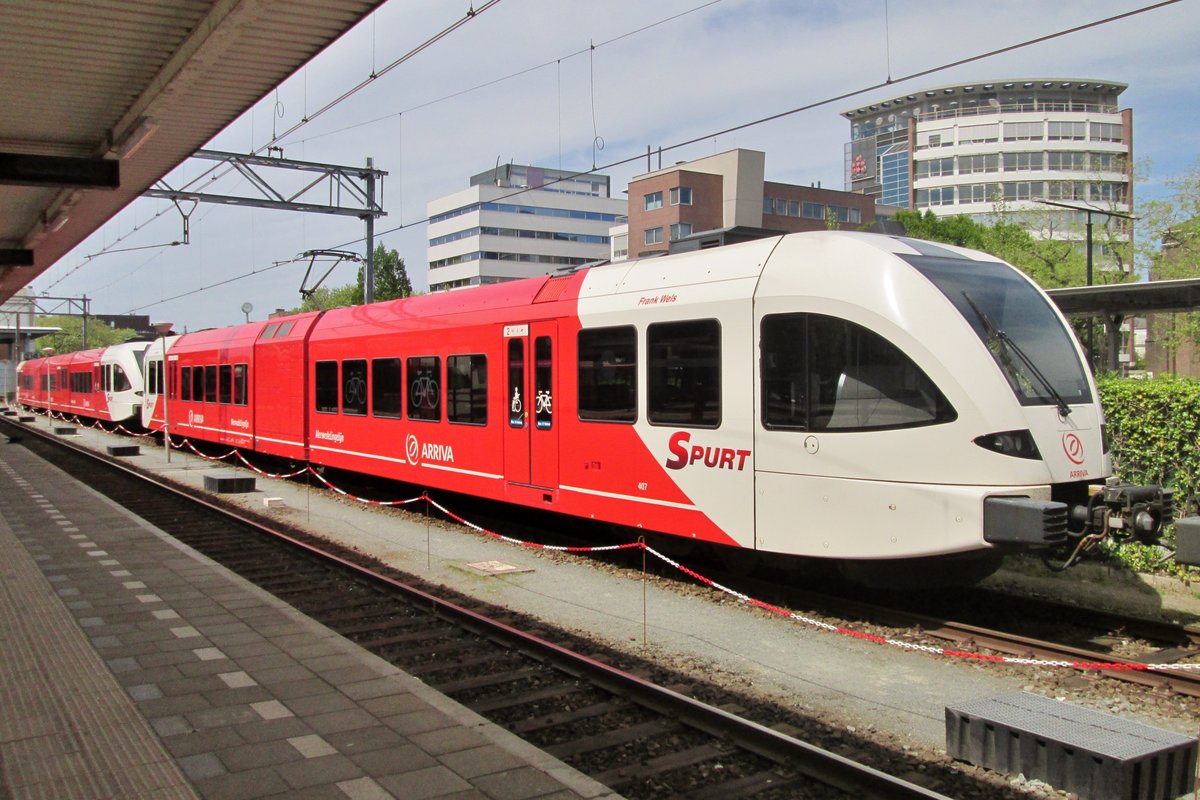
[239, 384]
[327, 387]
[683, 381]
[285, 329]
[120, 380]
[197, 384]
[152, 376]
[225, 384]
[516, 383]
[210, 384]
[466, 389]
[824, 373]
[608, 374]
[269, 331]
[543, 384]
[185, 383]
[385, 387]
[354, 387]
[424, 391]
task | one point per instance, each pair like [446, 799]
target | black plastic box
[123, 450]
[228, 483]
[1187, 541]
[1074, 749]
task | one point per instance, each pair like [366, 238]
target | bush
[1154, 426]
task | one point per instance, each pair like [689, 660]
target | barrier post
[428, 547]
[642, 542]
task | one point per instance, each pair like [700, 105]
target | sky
[573, 84]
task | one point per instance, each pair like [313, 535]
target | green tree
[391, 278]
[1170, 245]
[70, 338]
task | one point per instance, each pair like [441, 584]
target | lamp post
[1089, 210]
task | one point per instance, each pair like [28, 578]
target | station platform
[133, 667]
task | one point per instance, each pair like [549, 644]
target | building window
[679, 230]
[1066, 162]
[813, 210]
[977, 193]
[608, 374]
[1023, 190]
[466, 389]
[1066, 131]
[1023, 131]
[652, 201]
[943, 137]
[940, 196]
[840, 213]
[1104, 162]
[970, 165]
[768, 205]
[979, 134]
[1023, 162]
[1066, 190]
[681, 196]
[935, 167]
[385, 387]
[653, 235]
[1105, 132]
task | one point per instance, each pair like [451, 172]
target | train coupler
[1124, 511]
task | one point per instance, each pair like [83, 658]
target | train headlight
[1018, 444]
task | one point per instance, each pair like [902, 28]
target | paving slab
[133, 667]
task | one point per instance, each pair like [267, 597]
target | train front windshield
[1028, 341]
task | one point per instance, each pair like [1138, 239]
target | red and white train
[871, 399]
[102, 383]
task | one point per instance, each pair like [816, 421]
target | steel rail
[822, 765]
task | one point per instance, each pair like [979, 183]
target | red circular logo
[1073, 447]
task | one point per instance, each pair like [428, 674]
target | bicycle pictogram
[425, 392]
[542, 402]
[355, 391]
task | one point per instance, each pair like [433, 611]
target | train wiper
[1064, 410]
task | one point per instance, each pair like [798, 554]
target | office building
[518, 221]
[728, 190]
[973, 148]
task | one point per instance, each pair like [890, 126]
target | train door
[530, 429]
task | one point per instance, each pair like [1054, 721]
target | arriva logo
[712, 457]
[418, 452]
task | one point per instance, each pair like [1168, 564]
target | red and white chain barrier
[706, 581]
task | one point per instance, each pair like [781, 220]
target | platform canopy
[102, 98]
[1121, 299]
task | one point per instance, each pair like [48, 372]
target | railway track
[639, 738]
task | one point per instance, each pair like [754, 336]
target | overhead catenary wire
[889, 81]
[471, 14]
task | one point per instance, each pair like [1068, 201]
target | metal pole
[369, 279]
[83, 329]
[166, 394]
[1091, 327]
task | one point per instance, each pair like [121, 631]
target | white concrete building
[965, 148]
[519, 221]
